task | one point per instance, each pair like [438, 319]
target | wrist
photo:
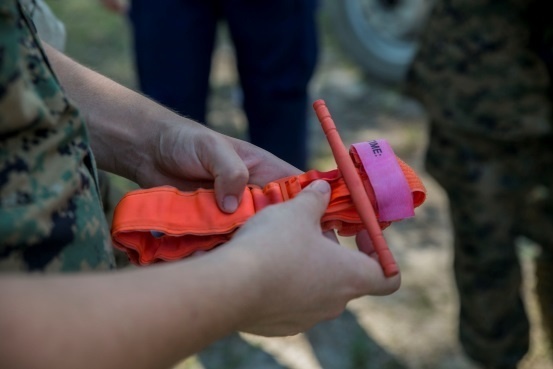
[129, 139]
[238, 287]
[259, 284]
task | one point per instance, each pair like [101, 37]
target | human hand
[134, 137]
[190, 155]
[117, 6]
[303, 276]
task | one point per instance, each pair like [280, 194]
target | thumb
[230, 176]
[313, 200]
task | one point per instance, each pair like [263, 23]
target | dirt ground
[416, 327]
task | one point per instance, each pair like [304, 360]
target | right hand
[304, 277]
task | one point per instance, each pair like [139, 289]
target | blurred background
[359, 75]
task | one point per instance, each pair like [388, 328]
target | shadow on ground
[340, 343]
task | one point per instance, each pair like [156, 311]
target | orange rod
[356, 189]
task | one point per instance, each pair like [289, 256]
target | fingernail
[320, 186]
[230, 203]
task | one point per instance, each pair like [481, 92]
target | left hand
[139, 139]
[190, 155]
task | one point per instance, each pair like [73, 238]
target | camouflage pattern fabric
[482, 72]
[51, 218]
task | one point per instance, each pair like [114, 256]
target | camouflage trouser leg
[486, 182]
[493, 326]
[482, 74]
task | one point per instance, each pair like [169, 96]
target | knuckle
[236, 174]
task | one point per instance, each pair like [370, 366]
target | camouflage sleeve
[50, 213]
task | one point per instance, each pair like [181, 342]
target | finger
[313, 200]
[365, 244]
[229, 172]
[372, 278]
[331, 235]
[264, 167]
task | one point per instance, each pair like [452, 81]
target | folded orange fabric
[163, 223]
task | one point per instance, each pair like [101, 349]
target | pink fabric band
[392, 191]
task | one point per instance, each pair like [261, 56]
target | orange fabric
[192, 221]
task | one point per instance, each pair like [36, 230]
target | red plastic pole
[356, 189]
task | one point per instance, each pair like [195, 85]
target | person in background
[62, 306]
[276, 51]
[483, 72]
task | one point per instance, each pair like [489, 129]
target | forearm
[147, 318]
[271, 279]
[120, 121]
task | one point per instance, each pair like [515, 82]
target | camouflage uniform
[482, 72]
[51, 217]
